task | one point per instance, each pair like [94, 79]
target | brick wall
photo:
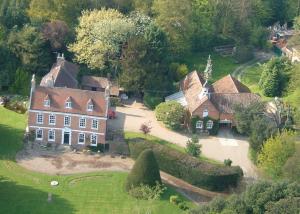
[212, 111]
[74, 128]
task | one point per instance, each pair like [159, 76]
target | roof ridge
[67, 72]
[234, 83]
[72, 89]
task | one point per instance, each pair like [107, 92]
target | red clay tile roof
[192, 86]
[229, 84]
[62, 74]
[225, 102]
[79, 98]
[100, 82]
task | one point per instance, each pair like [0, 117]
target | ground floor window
[51, 135]
[39, 134]
[93, 139]
[209, 124]
[199, 124]
[81, 138]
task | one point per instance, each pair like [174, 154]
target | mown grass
[153, 139]
[222, 66]
[251, 77]
[26, 192]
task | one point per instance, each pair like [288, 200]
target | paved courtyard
[225, 145]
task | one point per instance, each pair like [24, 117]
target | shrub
[193, 147]
[145, 128]
[144, 172]
[174, 199]
[17, 104]
[170, 113]
[115, 101]
[260, 197]
[276, 152]
[192, 170]
[183, 206]
[152, 101]
[181, 71]
[227, 162]
[146, 192]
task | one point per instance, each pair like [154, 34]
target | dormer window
[68, 103]
[90, 105]
[47, 101]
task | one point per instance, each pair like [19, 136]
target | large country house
[215, 101]
[62, 113]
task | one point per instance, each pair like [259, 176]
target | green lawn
[23, 191]
[222, 66]
[251, 77]
[152, 139]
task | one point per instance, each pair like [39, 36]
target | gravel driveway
[225, 145]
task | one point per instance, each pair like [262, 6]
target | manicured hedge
[192, 170]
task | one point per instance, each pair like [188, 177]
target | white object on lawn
[54, 183]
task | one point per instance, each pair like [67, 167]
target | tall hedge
[145, 171]
[199, 173]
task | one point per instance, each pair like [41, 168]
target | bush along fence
[199, 173]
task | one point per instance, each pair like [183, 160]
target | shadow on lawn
[10, 141]
[16, 198]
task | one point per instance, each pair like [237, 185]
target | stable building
[215, 101]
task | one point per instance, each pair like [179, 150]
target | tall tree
[57, 33]
[100, 36]
[33, 52]
[276, 152]
[13, 12]
[174, 17]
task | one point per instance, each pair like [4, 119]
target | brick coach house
[61, 113]
[212, 102]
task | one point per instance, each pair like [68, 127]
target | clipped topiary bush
[144, 172]
[203, 174]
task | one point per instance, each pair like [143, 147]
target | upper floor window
[81, 138]
[68, 103]
[95, 124]
[51, 135]
[199, 124]
[90, 105]
[39, 134]
[52, 119]
[82, 122]
[67, 121]
[39, 118]
[93, 139]
[47, 102]
[205, 113]
[209, 124]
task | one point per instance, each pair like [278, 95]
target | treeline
[139, 43]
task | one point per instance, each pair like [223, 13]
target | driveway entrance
[224, 146]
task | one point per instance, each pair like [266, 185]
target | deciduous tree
[100, 36]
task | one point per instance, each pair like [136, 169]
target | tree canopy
[100, 36]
